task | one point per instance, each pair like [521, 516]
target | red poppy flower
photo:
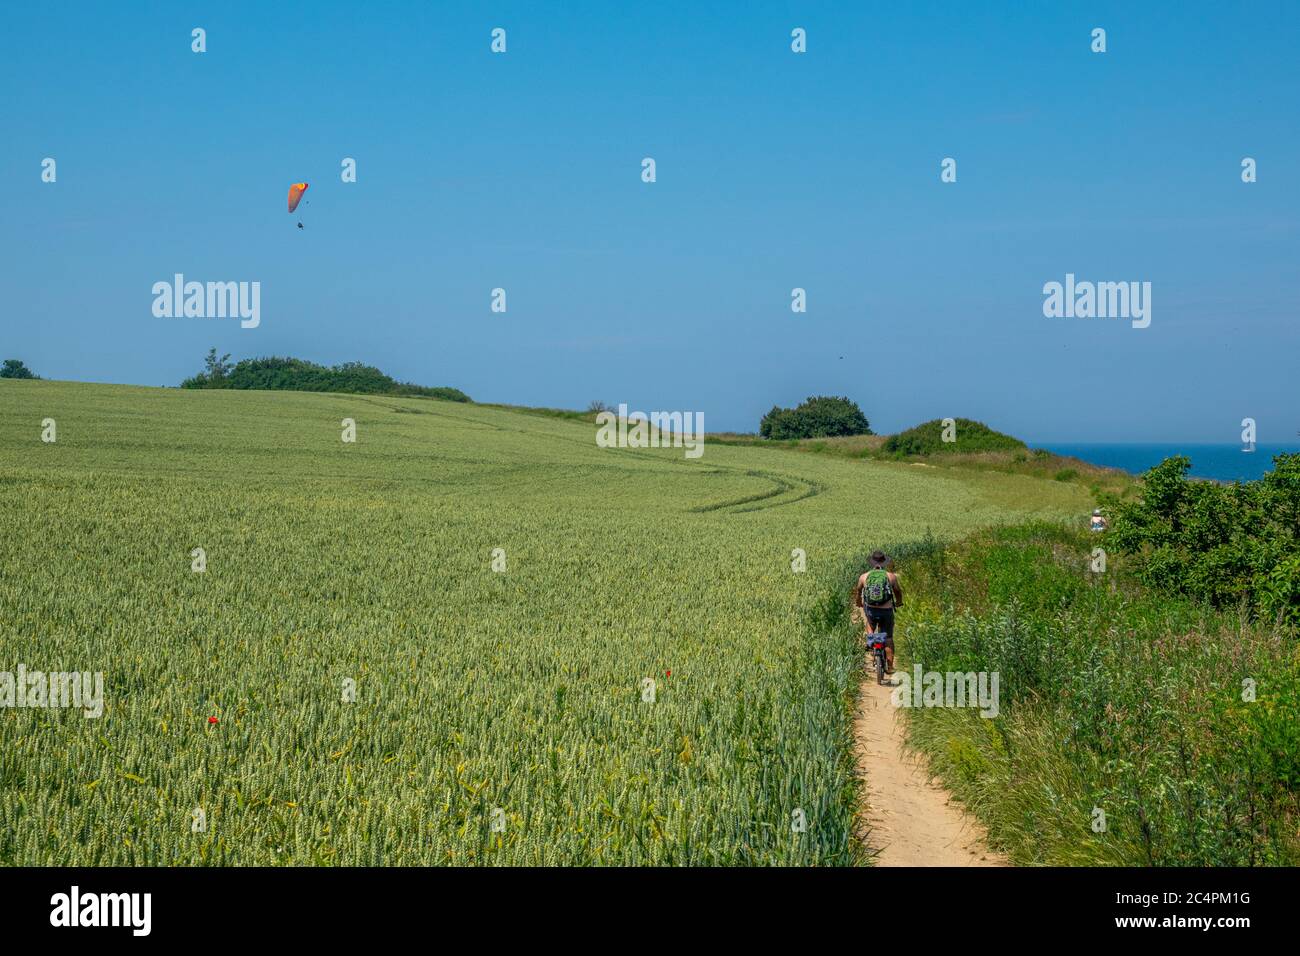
[212, 720]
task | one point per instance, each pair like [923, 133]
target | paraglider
[295, 197]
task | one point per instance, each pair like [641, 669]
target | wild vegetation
[1135, 727]
[817, 417]
[301, 376]
[1228, 545]
[931, 438]
[15, 368]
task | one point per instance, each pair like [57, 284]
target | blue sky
[775, 170]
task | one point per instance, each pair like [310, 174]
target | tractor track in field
[786, 489]
[906, 817]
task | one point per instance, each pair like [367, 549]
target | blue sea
[1220, 462]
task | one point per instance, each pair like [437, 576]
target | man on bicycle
[878, 593]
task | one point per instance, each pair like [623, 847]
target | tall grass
[1126, 733]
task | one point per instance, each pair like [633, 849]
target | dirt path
[907, 820]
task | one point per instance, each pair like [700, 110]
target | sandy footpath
[907, 819]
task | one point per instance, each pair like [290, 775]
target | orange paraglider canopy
[295, 195]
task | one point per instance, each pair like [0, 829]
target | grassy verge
[1126, 734]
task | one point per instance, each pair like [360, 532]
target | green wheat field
[500, 716]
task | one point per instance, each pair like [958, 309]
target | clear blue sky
[775, 170]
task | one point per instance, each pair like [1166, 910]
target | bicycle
[876, 647]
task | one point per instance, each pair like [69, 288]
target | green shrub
[818, 417]
[1222, 544]
[302, 376]
[927, 439]
[14, 368]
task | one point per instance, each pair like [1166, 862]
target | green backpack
[877, 590]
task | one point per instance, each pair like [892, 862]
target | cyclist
[1097, 522]
[878, 593]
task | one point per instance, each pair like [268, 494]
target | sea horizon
[1216, 461]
